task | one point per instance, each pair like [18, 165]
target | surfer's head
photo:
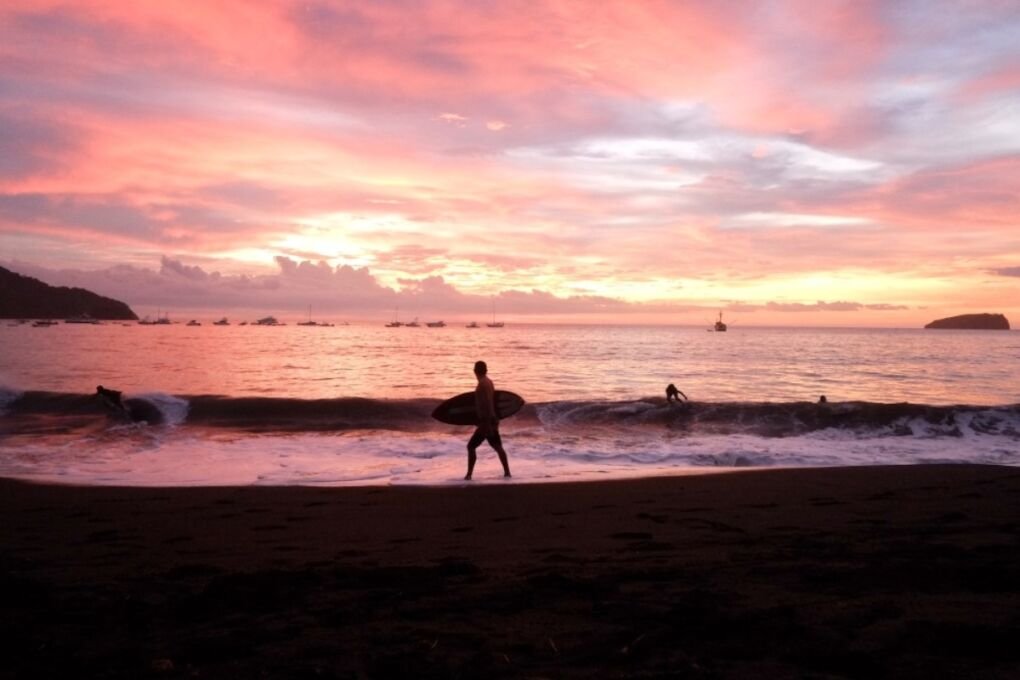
[481, 368]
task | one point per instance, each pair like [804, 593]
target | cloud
[1007, 271]
[815, 307]
[820, 306]
[567, 148]
[30, 145]
[355, 292]
[170, 267]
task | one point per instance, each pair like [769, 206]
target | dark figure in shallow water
[488, 421]
[673, 394]
[111, 399]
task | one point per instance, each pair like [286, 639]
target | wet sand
[859, 572]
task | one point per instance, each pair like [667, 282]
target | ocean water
[350, 404]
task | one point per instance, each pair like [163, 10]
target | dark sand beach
[861, 572]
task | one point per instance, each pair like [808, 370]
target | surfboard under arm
[461, 410]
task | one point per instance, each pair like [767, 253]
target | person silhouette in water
[488, 421]
[673, 394]
[111, 399]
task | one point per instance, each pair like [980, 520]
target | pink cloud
[1003, 79]
[505, 142]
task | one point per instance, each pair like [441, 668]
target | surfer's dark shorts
[478, 437]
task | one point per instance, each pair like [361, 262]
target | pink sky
[830, 163]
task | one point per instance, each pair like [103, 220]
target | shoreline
[907, 571]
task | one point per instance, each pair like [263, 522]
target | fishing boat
[44, 323]
[473, 324]
[221, 322]
[720, 327]
[193, 323]
[436, 324]
[413, 324]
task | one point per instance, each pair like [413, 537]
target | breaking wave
[18, 410]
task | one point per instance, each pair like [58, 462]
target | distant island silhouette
[980, 322]
[22, 297]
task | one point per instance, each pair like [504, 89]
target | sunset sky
[796, 163]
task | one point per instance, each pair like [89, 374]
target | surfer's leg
[496, 442]
[476, 439]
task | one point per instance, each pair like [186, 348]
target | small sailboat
[161, 320]
[310, 322]
[494, 324]
[396, 323]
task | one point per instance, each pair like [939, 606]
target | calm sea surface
[542, 363]
[351, 404]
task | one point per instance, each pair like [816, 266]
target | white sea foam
[173, 409]
[8, 395]
[157, 456]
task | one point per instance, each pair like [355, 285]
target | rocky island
[22, 297]
[979, 322]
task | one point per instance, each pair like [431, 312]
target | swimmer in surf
[488, 421]
[673, 394]
[111, 399]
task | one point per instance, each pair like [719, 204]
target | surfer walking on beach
[488, 421]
